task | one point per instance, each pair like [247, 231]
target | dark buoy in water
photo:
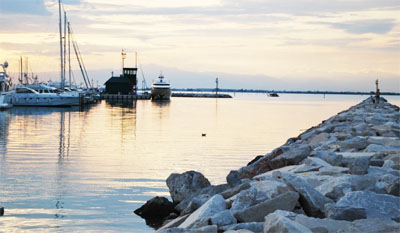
[1, 211]
[203, 134]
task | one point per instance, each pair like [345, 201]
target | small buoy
[203, 134]
[1, 211]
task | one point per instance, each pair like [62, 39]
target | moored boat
[160, 89]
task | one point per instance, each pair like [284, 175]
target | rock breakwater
[340, 176]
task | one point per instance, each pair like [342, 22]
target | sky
[338, 45]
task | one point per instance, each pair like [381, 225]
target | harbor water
[71, 170]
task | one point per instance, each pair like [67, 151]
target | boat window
[23, 90]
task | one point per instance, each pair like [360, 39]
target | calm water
[64, 170]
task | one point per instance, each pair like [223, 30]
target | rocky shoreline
[340, 176]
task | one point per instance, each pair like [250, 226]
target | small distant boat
[160, 89]
[273, 95]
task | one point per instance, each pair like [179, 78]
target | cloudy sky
[260, 44]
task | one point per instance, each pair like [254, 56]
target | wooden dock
[116, 97]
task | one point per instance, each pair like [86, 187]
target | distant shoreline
[283, 92]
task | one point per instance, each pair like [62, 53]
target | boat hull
[160, 93]
[45, 100]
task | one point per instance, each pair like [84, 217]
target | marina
[238, 117]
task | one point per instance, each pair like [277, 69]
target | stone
[278, 223]
[371, 225]
[239, 231]
[185, 184]
[256, 227]
[233, 178]
[244, 199]
[223, 218]
[173, 223]
[257, 213]
[384, 141]
[332, 170]
[310, 200]
[315, 161]
[357, 143]
[214, 205]
[208, 191]
[347, 213]
[391, 164]
[349, 157]
[292, 157]
[319, 138]
[375, 205]
[267, 189]
[258, 157]
[359, 166]
[380, 148]
[195, 203]
[157, 207]
[314, 224]
[235, 190]
[205, 229]
[394, 188]
[330, 157]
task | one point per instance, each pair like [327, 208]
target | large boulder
[211, 207]
[157, 207]
[376, 205]
[257, 213]
[185, 184]
[311, 200]
[275, 222]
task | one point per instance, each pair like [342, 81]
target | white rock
[211, 207]
[278, 223]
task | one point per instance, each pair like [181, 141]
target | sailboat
[44, 95]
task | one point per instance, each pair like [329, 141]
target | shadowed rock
[185, 184]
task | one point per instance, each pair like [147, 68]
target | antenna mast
[123, 54]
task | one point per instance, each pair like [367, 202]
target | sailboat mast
[69, 56]
[65, 50]
[61, 41]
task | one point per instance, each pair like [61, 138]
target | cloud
[366, 26]
[32, 7]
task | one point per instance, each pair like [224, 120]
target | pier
[144, 96]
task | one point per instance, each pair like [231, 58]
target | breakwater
[201, 95]
[340, 176]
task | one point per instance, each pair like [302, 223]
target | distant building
[124, 84]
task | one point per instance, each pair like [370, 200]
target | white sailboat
[43, 95]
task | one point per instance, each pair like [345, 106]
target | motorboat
[160, 89]
[5, 82]
[26, 96]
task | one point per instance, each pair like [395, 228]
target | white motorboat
[160, 89]
[25, 96]
[5, 100]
